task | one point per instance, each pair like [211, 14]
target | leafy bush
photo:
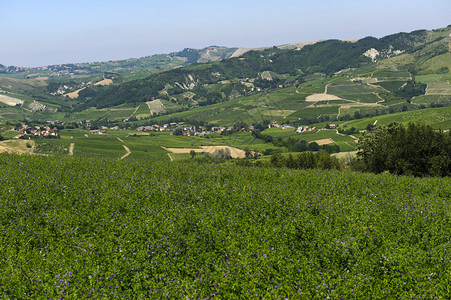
[306, 160]
[411, 89]
[223, 153]
[416, 150]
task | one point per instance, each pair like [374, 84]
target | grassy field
[149, 145]
[363, 98]
[102, 228]
[391, 86]
[352, 89]
[386, 74]
[141, 145]
[283, 104]
[432, 99]
[435, 117]
[430, 78]
[345, 142]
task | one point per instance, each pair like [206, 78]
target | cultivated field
[104, 82]
[99, 228]
[234, 152]
[74, 94]
[321, 97]
[17, 146]
[155, 106]
[10, 100]
[324, 142]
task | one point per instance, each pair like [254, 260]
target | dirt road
[71, 148]
[128, 152]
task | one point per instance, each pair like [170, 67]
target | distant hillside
[304, 83]
[133, 65]
[204, 84]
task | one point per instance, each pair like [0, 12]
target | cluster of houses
[304, 129]
[165, 127]
[300, 129]
[249, 83]
[36, 131]
[103, 129]
[187, 129]
[181, 128]
[202, 130]
[97, 131]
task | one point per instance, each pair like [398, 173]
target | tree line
[415, 149]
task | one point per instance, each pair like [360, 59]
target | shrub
[416, 150]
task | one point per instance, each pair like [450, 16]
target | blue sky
[43, 32]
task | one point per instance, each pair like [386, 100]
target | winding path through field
[126, 149]
[128, 152]
[378, 96]
[134, 112]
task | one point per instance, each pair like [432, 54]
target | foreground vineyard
[75, 228]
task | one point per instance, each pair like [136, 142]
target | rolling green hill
[438, 118]
[363, 84]
[327, 81]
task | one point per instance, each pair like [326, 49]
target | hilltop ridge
[304, 82]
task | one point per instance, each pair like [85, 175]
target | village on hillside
[43, 131]
[52, 128]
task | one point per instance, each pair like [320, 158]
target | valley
[316, 170]
[256, 86]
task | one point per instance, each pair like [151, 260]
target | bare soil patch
[324, 142]
[104, 82]
[10, 100]
[234, 152]
[17, 146]
[321, 97]
[74, 94]
[71, 148]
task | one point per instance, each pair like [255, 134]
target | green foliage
[411, 89]
[306, 160]
[178, 131]
[413, 150]
[223, 153]
[391, 86]
[437, 118]
[77, 228]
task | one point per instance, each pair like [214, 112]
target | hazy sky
[43, 32]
